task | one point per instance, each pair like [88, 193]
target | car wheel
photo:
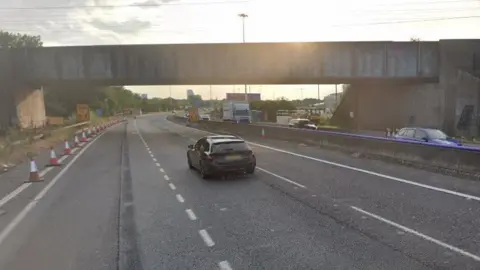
[189, 161]
[250, 169]
[203, 174]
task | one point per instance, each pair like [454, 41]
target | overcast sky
[89, 22]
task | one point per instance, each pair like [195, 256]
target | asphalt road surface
[129, 201]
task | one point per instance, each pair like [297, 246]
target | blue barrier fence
[370, 137]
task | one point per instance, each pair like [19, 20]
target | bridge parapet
[250, 63]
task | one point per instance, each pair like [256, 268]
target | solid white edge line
[419, 234]
[224, 265]
[45, 171]
[20, 216]
[172, 186]
[24, 186]
[166, 177]
[180, 198]
[281, 178]
[14, 193]
[451, 192]
[206, 238]
[191, 215]
[447, 191]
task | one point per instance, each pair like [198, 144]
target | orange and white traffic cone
[84, 137]
[76, 142]
[53, 158]
[67, 150]
[34, 175]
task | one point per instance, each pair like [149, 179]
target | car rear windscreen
[229, 146]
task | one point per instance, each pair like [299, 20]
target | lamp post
[170, 93]
[244, 16]
[318, 92]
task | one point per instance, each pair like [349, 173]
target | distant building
[241, 96]
[190, 93]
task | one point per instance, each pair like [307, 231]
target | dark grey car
[221, 154]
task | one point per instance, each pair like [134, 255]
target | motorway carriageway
[128, 201]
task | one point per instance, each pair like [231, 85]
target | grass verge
[17, 146]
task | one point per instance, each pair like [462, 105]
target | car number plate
[233, 157]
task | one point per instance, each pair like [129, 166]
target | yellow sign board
[193, 115]
[83, 113]
[55, 121]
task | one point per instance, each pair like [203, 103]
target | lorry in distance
[235, 111]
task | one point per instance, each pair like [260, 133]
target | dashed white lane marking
[158, 164]
[206, 238]
[154, 160]
[191, 215]
[172, 186]
[166, 177]
[161, 170]
[451, 192]
[282, 178]
[180, 198]
[224, 265]
[419, 234]
[343, 166]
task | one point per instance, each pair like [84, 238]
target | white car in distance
[205, 117]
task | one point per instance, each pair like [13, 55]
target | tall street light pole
[170, 92]
[243, 16]
[318, 92]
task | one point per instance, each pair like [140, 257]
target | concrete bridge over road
[23, 71]
[250, 63]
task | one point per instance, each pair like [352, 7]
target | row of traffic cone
[77, 143]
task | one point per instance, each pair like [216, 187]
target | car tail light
[208, 157]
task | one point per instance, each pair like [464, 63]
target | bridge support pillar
[29, 107]
[380, 106]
